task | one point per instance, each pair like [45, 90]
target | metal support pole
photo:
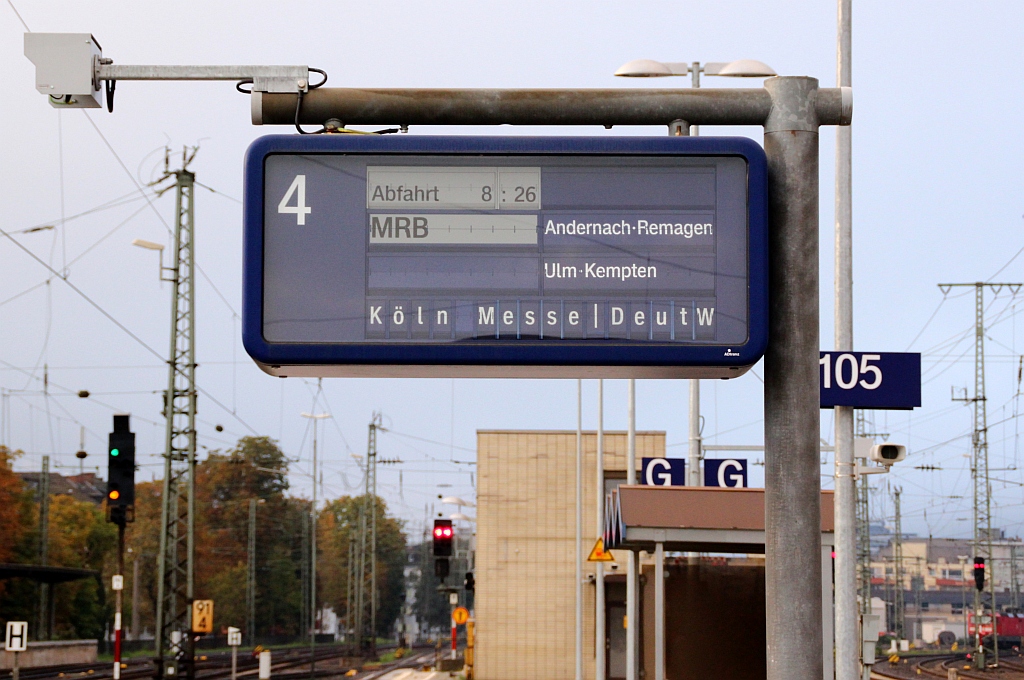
[136, 614]
[599, 613]
[578, 545]
[371, 460]
[848, 646]
[250, 585]
[176, 559]
[632, 566]
[792, 427]
[659, 611]
[899, 601]
[119, 603]
[693, 459]
[234, 662]
[378, 106]
[43, 631]
[312, 563]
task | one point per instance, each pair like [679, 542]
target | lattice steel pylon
[982, 538]
[176, 558]
[367, 560]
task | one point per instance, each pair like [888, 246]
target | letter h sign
[17, 636]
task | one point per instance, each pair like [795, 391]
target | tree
[81, 537]
[338, 525]
[19, 518]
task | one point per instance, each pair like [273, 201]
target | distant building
[525, 565]
[938, 581]
[84, 487]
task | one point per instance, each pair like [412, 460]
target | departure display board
[494, 256]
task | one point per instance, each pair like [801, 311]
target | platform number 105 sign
[889, 380]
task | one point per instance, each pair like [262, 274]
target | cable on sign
[110, 86]
[298, 104]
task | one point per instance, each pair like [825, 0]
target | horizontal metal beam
[833, 106]
[241, 72]
[264, 78]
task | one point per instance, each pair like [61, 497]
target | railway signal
[121, 471]
[979, 573]
[444, 536]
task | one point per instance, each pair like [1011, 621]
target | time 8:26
[520, 194]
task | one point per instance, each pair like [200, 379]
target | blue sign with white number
[543, 257]
[725, 472]
[663, 472]
[879, 380]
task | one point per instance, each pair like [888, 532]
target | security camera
[887, 453]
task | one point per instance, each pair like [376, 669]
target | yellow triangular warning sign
[599, 554]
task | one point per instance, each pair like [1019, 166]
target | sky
[936, 130]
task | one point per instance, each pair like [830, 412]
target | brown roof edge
[679, 507]
[572, 432]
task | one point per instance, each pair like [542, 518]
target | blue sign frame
[713, 472]
[872, 380]
[657, 468]
[568, 358]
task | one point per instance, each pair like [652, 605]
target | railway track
[1011, 667]
[287, 664]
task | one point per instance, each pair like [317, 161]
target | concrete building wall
[525, 564]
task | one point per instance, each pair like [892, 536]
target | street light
[150, 245]
[312, 549]
[649, 68]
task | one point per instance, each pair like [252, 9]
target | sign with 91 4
[878, 380]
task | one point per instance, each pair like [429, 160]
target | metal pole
[175, 579]
[693, 459]
[250, 585]
[377, 106]
[312, 563]
[136, 614]
[631, 565]
[14, 668]
[43, 630]
[599, 614]
[659, 611]
[118, 602]
[234, 662]
[579, 529]
[899, 600]
[792, 427]
[848, 646]
[372, 460]
[963, 594]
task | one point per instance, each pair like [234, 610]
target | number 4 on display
[300, 209]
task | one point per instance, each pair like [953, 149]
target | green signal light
[114, 452]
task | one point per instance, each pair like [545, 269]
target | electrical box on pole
[121, 472]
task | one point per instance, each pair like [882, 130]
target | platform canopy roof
[37, 572]
[699, 519]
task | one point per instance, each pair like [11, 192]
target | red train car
[1007, 624]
